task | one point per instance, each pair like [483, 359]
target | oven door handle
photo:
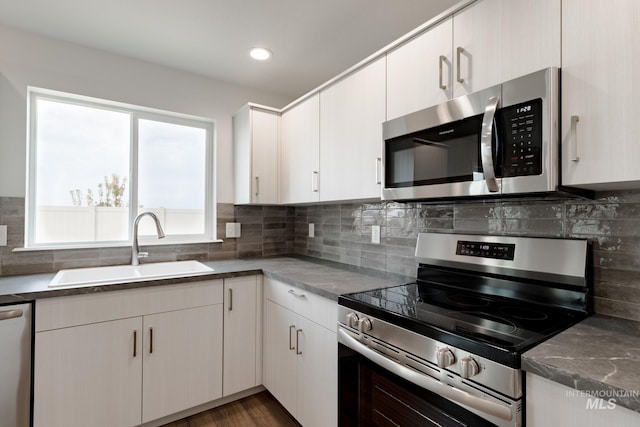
[445, 390]
[486, 151]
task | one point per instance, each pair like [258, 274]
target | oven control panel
[486, 249]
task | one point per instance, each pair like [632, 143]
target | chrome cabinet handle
[291, 347]
[11, 314]
[150, 340]
[257, 185]
[574, 138]
[314, 181]
[230, 299]
[429, 383]
[135, 343]
[459, 52]
[486, 153]
[295, 294]
[378, 170]
[440, 63]
[298, 341]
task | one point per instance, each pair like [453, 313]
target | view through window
[93, 166]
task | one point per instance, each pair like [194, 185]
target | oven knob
[445, 357]
[352, 320]
[469, 367]
[364, 325]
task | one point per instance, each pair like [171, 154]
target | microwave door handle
[486, 151]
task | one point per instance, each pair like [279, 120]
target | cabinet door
[351, 116]
[317, 375]
[265, 128]
[256, 134]
[240, 335]
[554, 404]
[497, 40]
[300, 164]
[182, 360]
[419, 73]
[280, 360]
[89, 375]
[600, 53]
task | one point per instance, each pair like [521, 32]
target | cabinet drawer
[320, 310]
[279, 292]
[63, 312]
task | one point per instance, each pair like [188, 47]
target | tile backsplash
[611, 223]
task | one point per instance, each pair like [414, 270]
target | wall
[611, 223]
[30, 60]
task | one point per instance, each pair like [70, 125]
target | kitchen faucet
[135, 254]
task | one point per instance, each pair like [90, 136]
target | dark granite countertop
[325, 278]
[599, 356]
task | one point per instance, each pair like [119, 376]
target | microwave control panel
[523, 139]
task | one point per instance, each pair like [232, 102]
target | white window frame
[136, 113]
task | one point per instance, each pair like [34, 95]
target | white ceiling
[312, 40]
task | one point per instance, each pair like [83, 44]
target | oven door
[375, 390]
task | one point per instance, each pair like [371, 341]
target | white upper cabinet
[300, 162]
[600, 128]
[256, 133]
[498, 40]
[351, 115]
[419, 73]
[486, 43]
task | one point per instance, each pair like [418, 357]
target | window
[94, 165]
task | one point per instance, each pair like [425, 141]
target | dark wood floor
[259, 410]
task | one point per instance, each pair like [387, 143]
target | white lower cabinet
[553, 404]
[242, 334]
[182, 362]
[88, 375]
[300, 353]
[122, 358]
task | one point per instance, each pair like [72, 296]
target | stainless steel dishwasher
[15, 365]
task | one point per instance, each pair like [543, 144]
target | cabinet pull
[150, 340]
[459, 52]
[440, 66]
[378, 170]
[135, 343]
[257, 185]
[293, 292]
[314, 181]
[298, 341]
[291, 347]
[574, 138]
[11, 314]
[230, 299]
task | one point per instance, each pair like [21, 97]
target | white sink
[128, 273]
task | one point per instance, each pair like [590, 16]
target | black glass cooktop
[483, 316]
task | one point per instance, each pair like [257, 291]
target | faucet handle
[143, 254]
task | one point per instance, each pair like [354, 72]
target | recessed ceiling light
[260, 53]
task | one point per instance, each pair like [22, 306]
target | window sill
[100, 245]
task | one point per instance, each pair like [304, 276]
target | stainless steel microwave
[496, 142]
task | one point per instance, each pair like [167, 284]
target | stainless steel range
[446, 350]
